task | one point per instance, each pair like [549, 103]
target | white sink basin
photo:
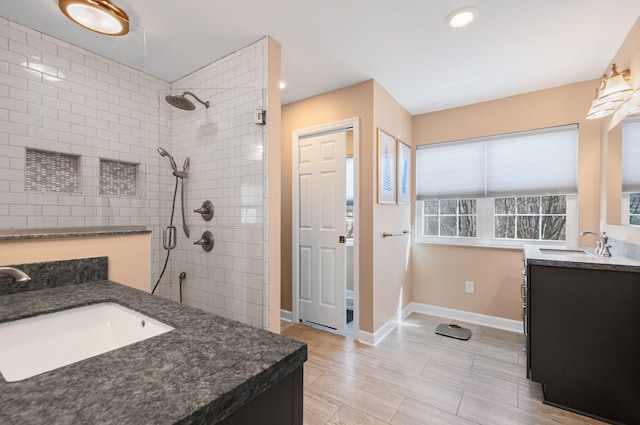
[39, 344]
[566, 252]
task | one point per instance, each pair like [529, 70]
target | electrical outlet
[470, 287]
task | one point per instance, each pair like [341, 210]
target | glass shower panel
[227, 151]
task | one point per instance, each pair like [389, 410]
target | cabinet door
[585, 344]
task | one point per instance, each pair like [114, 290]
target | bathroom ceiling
[513, 47]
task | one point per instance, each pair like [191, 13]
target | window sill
[495, 244]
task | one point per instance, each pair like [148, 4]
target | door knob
[342, 239]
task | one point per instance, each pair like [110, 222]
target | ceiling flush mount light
[97, 15]
[462, 17]
[611, 94]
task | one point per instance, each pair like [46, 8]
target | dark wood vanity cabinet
[279, 405]
[584, 340]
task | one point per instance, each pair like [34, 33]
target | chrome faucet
[602, 246]
[17, 275]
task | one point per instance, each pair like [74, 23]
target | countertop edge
[29, 234]
[617, 263]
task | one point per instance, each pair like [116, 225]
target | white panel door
[322, 257]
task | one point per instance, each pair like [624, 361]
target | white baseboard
[463, 316]
[365, 338]
[373, 339]
[285, 315]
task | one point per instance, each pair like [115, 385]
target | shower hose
[166, 261]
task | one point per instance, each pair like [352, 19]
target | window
[631, 171]
[499, 190]
[531, 217]
[450, 217]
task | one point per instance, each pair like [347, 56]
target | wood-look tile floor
[416, 377]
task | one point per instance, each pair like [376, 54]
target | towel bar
[387, 235]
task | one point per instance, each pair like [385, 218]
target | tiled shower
[79, 136]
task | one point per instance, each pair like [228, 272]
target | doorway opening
[325, 223]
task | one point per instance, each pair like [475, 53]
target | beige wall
[391, 256]
[129, 255]
[440, 272]
[436, 274]
[349, 102]
[627, 57]
[274, 183]
[384, 271]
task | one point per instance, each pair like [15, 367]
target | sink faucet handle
[599, 247]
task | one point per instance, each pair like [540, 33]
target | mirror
[623, 200]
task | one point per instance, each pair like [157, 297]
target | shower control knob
[206, 241]
[206, 210]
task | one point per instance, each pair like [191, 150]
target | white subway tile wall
[60, 98]
[57, 97]
[226, 153]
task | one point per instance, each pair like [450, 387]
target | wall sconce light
[612, 92]
[97, 15]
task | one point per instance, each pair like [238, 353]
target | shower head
[163, 152]
[181, 102]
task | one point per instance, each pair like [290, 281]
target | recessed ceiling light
[97, 15]
[462, 17]
[283, 85]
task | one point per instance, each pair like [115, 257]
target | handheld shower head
[163, 152]
[181, 102]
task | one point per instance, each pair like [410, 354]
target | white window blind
[631, 154]
[450, 170]
[540, 162]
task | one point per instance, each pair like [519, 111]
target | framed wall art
[403, 176]
[386, 168]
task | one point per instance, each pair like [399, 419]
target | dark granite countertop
[201, 372]
[69, 232]
[564, 257]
